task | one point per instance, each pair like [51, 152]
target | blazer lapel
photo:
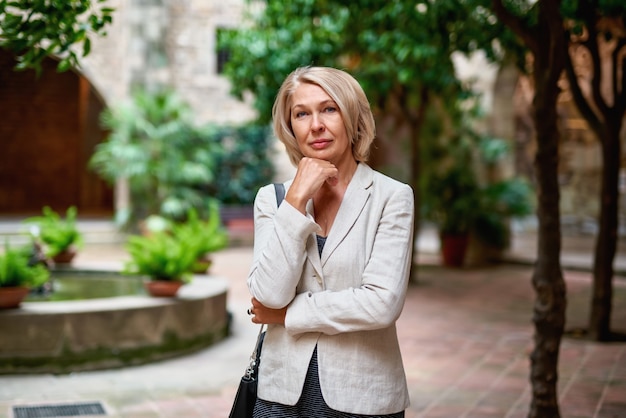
[357, 194]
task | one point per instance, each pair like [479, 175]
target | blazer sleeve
[378, 301]
[280, 236]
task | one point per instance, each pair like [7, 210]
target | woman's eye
[300, 114]
[330, 109]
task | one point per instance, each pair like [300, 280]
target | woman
[331, 263]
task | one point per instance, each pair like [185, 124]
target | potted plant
[470, 210]
[18, 275]
[166, 261]
[452, 203]
[203, 236]
[60, 237]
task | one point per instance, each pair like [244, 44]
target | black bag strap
[253, 367]
[280, 193]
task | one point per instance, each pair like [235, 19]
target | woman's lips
[320, 144]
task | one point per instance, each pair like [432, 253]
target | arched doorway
[48, 130]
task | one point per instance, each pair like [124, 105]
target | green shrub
[160, 256]
[243, 163]
[55, 233]
[15, 269]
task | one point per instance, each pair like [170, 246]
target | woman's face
[318, 125]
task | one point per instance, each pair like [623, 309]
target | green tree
[594, 26]
[540, 27]
[166, 159]
[399, 51]
[35, 29]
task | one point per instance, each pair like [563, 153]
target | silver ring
[249, 311]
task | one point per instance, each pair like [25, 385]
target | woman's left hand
[264, 315]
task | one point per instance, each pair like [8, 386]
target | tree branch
[516, 24]
[619, 95]
[581, 102]
[596, 80]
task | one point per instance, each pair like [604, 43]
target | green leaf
[27, 25]
[64, 65]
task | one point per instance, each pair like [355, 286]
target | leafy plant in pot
[18, 275]
[472, 212]
[166, 261]
[204, 236]
[60, 237]
[453, 206]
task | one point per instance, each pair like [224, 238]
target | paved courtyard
[465, 335]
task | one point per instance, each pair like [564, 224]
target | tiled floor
[465, 335]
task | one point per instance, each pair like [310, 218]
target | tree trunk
[605, 117]
[547, 280]
[606, 244]
[546, 41]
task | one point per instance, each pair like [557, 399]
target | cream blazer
[346, 302]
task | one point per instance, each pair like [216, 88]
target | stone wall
[155, 43]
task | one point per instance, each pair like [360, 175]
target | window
[223, 54]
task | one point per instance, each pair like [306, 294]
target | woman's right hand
[311, 174]
[264, 315]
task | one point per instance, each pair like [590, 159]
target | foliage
[457, 202]
[160, 256]
[400, 51]
[55, 233]
[203, 236]
[35, 29]
[242, 161]
[165, 158]
[171, 249]
[172, 165]
[451, 199]
[395, 49]
[16, 270]
[500, 202]
[461, 201]
[392, 47]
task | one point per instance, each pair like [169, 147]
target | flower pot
[203, 264]
[12, 297]
[65, 256]
[162, 288]
[453, 249]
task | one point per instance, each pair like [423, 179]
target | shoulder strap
[280, 193]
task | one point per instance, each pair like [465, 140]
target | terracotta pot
[12, 297]
[453, 249]
[203, 264]
[65, 256]
[162, 288]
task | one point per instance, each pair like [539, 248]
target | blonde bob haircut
[347, 94]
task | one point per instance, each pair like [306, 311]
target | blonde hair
[347, 94]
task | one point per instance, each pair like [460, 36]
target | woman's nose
[318, 123]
